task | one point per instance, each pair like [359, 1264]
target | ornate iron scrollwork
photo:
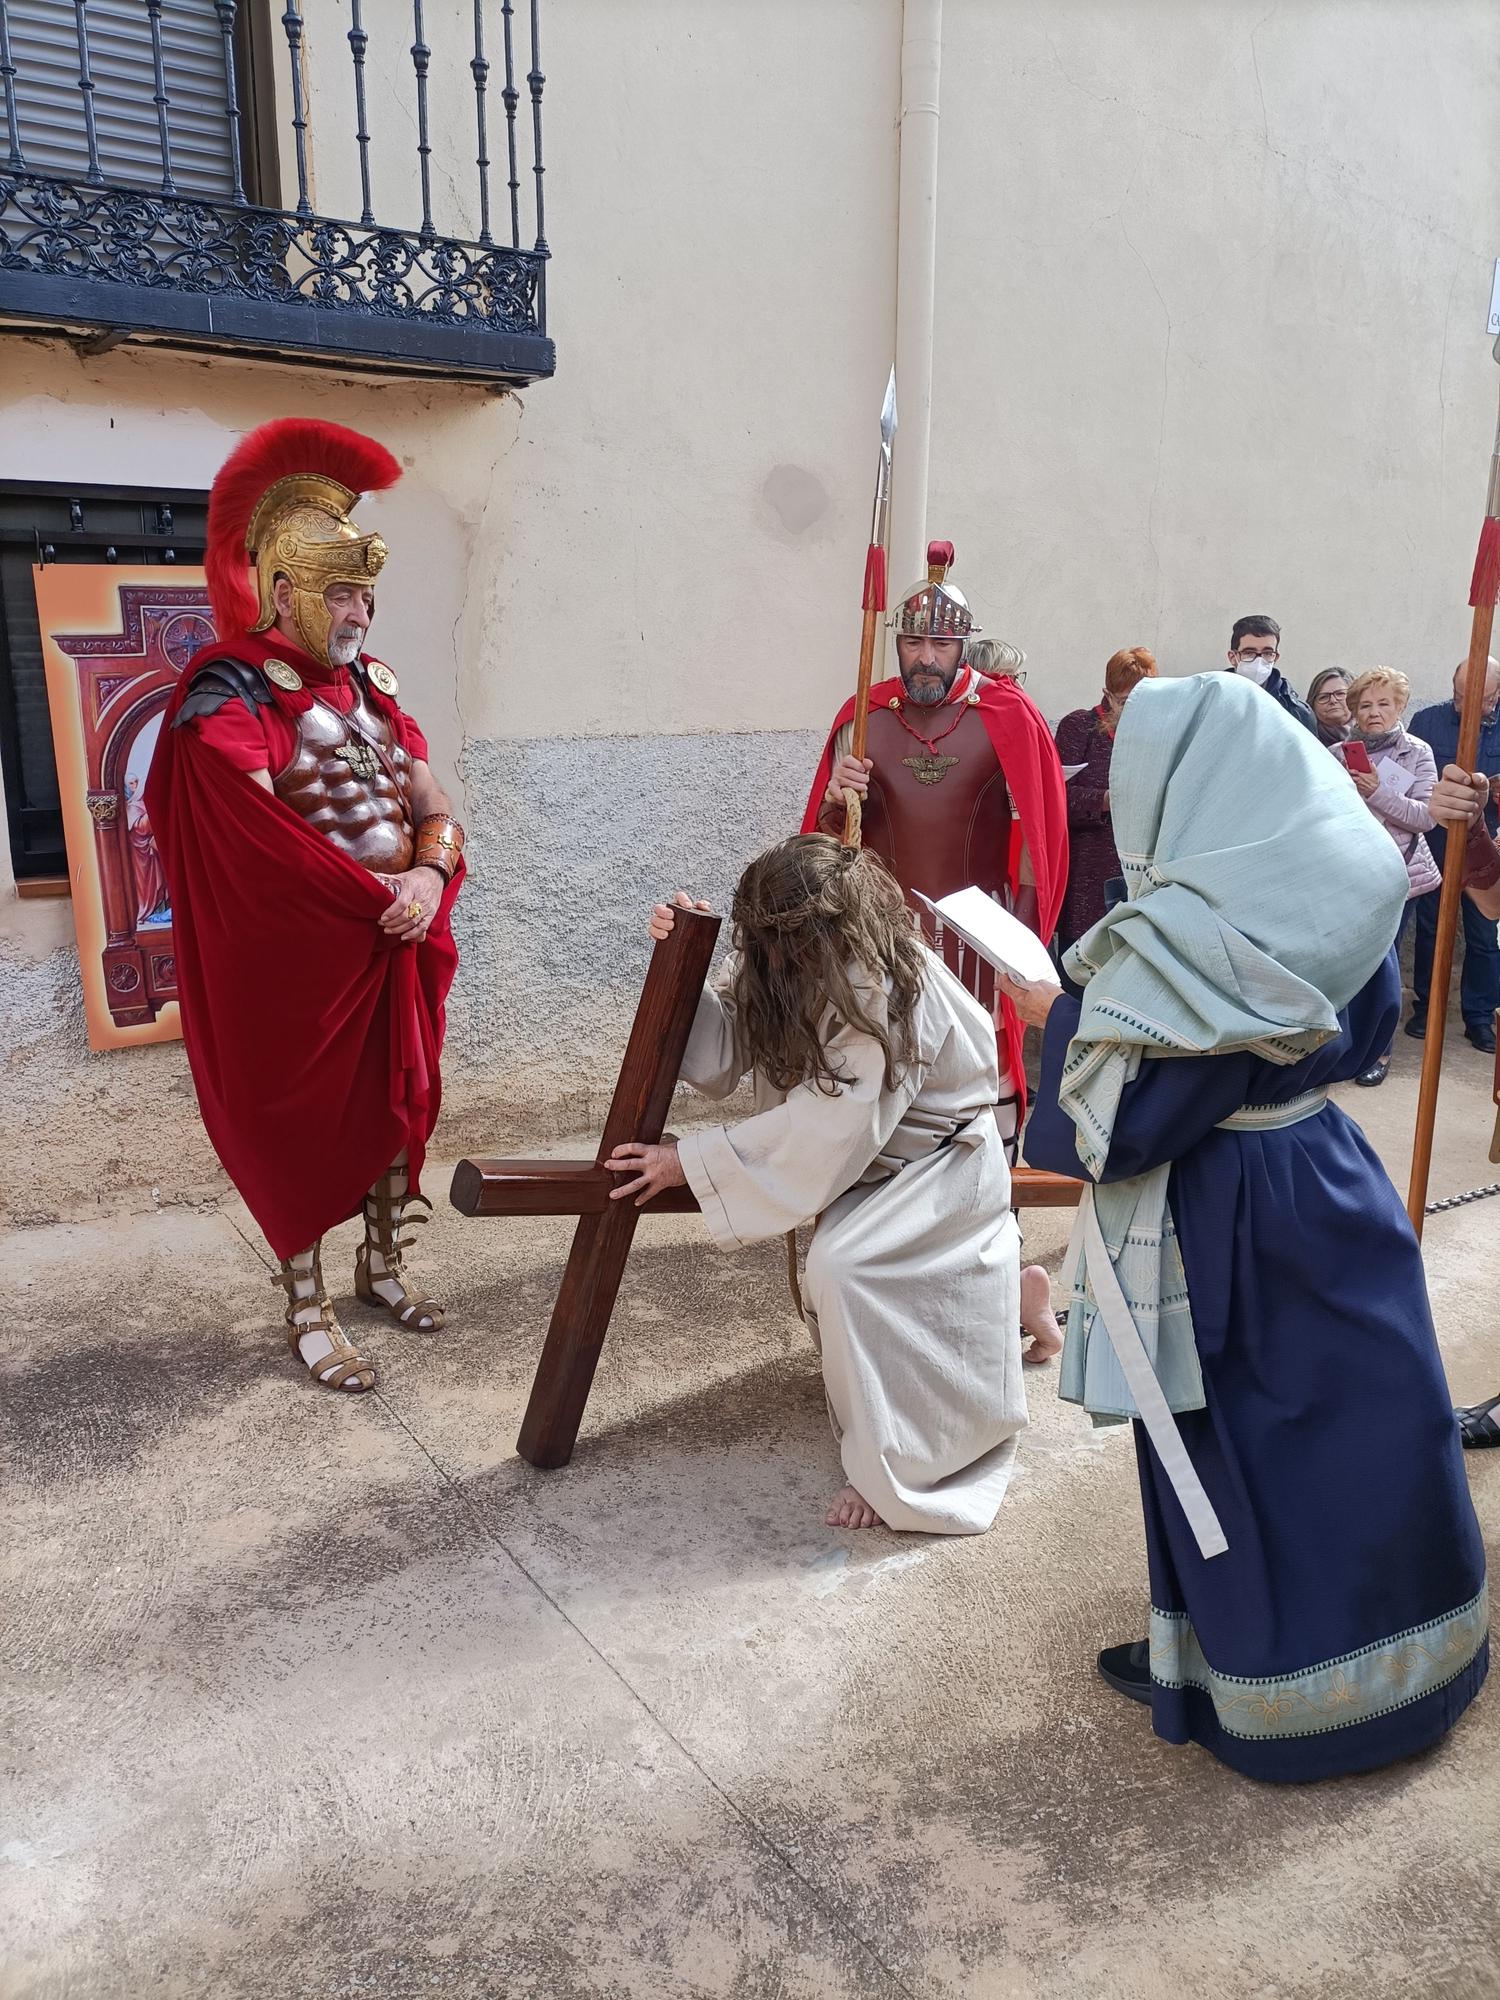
[129, 236]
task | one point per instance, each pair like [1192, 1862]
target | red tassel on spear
[874, 602]
[1483, 592]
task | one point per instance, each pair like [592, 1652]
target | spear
[1483, 593]
[874, 602]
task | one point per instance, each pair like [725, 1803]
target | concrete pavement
[327, 1697]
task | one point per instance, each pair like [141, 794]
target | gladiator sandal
[309, 1310]
[377, 1263]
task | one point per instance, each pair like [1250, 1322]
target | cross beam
[606, 1229]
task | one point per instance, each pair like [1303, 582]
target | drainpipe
[916, 277]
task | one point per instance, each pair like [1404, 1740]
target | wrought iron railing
[117, 247]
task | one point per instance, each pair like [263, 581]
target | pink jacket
[1404, 814]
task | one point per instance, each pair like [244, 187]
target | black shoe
[1127, 1669]
[1374, 1074]
[1477, 1428]
[1416, 1027]
[1481, 1036]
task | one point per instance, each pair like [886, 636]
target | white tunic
[913, 1276]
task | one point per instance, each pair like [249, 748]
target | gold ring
[415, 910]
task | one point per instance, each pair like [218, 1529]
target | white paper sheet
[1072, 770]
[1000, 939]
[1394, 779]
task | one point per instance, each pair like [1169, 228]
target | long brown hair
[805, 912]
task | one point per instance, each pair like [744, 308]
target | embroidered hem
[1337, 1694]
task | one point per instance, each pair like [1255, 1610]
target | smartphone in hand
[1357, 757]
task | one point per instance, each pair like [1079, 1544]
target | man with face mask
[313, 861]
[962, 785]
[1254, 650]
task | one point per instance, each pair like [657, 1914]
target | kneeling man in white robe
[875, 1087]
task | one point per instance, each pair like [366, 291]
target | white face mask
[1258, 671]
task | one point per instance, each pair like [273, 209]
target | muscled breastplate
[351, 780]
[941, 819]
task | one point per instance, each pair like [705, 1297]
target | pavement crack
[757, 1833]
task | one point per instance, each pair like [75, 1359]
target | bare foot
[851, 1510]
[1037, 1317]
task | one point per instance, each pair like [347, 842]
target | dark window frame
[37, 849]
[255, 93]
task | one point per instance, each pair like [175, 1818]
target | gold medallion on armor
[361, 760]
[929, 770]
[382, 678]
[282, 674]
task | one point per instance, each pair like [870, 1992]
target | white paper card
[1394, 779]
[1072, 770]
[1000, 939]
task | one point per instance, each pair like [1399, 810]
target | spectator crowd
[1392, 760]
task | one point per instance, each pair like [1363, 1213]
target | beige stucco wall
[1211, 290]
[1213, 283]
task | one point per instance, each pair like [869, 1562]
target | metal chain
[1460, 1200]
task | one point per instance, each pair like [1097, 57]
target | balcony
[161, 156]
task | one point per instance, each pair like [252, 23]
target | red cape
[314, 1041]
[1023, 743]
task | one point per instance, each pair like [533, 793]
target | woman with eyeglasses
[1328, 698]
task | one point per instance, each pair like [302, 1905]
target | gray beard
[928, 695]
[343, 652]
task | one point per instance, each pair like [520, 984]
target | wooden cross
[601, 1242]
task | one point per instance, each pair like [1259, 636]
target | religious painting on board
[115, 639]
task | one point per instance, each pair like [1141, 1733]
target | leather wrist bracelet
[440, 841]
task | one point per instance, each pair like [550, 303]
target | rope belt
[1124, 1336]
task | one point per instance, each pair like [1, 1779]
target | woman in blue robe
[1339, 1620]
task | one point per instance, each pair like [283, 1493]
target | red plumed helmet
[295, 464]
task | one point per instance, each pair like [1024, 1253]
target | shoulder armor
[220, 681]
[375, 673]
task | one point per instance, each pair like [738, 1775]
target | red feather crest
[274, 451]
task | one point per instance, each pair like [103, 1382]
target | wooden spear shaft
[1482, 596]
[874, 608]
[874, 605]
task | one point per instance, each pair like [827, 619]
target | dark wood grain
[601, 1242]
[548, 1187]
[582, 1187]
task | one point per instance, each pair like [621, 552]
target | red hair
[1125, 668]
[275, 451]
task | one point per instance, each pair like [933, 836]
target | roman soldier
[961, 786]
[313, 861]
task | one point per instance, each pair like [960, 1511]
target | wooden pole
[1482, 595]
[1471, 716]
[853, 820]
[874, 606]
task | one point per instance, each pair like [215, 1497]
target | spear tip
[888, 409]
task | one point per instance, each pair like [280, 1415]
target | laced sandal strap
[344, 1362]
[335, 1378]
[414, 1308]
[321, 1319]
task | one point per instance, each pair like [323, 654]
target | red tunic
[314, 1039]
[1027, 758]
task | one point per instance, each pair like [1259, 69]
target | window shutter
[49, 103]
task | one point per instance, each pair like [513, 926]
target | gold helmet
[301, 530]
[934, 608]
[281, 504]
